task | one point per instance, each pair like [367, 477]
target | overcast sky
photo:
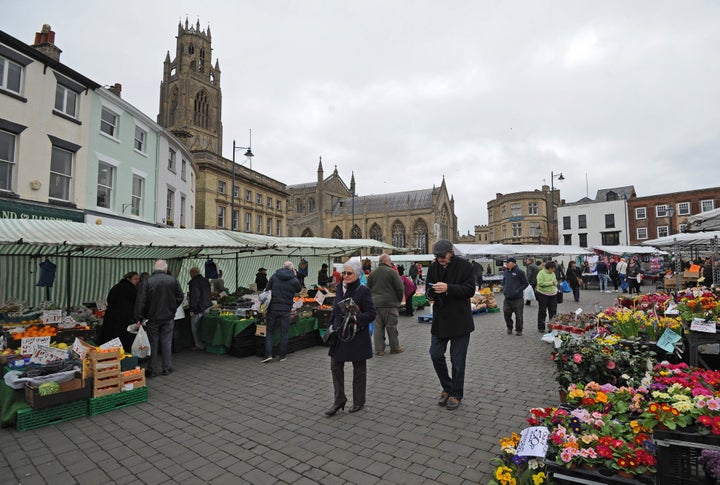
[493, 95]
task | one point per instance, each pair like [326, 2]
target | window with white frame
[66, 100]
[61, 172]
[183, 201]
[106, 175]
[515, 210]
[640, 213]
[140, 137]
[533, 208]
[248, 222]
[707, 205]
[11, 75]
[109, 122]
[220, 216]
[567, 223]
[582, 221]
[269, 201]
[278, 205]
[236, 191]
[221, 186]
[609, 220]
[258, 224]
[278, 228]
[7, 160]
[258, 199]
[683, 208]
[269, 226]
[170, 207]
[516, 228]
[661, 210]
[183, 169]
[641, 232]
[534, 229]
[248, 195]
[662, 231]
[582, 240]
[682, 227]
[138, 187]
[171, 160]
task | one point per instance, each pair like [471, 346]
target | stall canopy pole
[68, 283]
[678, 267]
[236, 270]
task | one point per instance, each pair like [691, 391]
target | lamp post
[248, 155]
[670, 212]
[552, 239]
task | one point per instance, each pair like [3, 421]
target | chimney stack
[116, 89]
[45, 42]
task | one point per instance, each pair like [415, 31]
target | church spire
[352, 183]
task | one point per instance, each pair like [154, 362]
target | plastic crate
[677, 457]
[29, 418]
[99, 405]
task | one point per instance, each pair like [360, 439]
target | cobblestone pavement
[220, 419]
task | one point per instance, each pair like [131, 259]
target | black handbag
[330, 335]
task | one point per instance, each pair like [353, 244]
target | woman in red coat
[347, 347]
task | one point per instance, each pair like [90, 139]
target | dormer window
[611, 196]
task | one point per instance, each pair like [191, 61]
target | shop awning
[620, 250]
[705, 221]
[685, 239]
[471, 251]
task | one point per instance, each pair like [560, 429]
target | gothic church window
[398, 234]
[337, 233]
[311, 205]
[307, 233]
[420, 237]
[201, 117]
[201, 67]
[376, 234]
[356, 233]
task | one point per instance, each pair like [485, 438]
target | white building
[602, 221]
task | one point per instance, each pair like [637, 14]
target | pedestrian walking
[514, 283]
[387, 291]
[283, 285]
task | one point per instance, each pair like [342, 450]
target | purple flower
[519, 460]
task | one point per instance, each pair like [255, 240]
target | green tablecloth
[11, 401]
[216, 330]
[303, 326]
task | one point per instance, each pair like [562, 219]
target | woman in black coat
[120, 311]
[358, 349]
[574, 279]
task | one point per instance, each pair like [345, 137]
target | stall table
[215, 330]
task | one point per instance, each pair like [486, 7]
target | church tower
[190, 95]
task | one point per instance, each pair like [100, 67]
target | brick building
[662, 215]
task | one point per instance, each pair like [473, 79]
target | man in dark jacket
[160, 297]
[199, 303]
[450, 284]
[514, 283]
[532, 272]
[284, 285]
[387, 291]
[413, 271]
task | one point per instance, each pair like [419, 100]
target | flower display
[573, 323]
[513, 469]
[698, 304]
[710, 459]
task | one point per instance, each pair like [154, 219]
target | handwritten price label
[320, 297]
[52, 316]
[700, 325]
[29, 345]
[44, 355]
[533, 442]
[667, 340]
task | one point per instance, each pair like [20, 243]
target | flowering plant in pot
[513, 469]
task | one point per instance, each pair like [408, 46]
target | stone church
[191, 108]
[412, 219]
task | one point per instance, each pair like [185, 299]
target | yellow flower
[538, 478]
[576, 393]
[502, 473]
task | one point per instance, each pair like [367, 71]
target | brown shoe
[452, 403]
[443, 398]
[380, 353]
[398, 350]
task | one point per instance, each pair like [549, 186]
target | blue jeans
[458, 352]
[272, 320]
[603, 280]
[623, 282]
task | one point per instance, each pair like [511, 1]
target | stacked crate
[133, 379]
[106, 371]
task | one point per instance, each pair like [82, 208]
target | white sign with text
[533, 442]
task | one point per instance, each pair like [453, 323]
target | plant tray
[29, 418]
[73, 390]
[99, 405]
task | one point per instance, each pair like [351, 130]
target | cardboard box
[72, 390]
[691, 275]
[260, 330]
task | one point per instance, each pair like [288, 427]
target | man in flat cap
[450, 284]
[514, 284]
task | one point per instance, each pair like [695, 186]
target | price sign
[52, 316]
[320, 297]
[578, 312]
[101, 305]
[700, 325]
[113, 344]
[533, 442]
[29, 345]
[667, 340]
[672, 309]
[81, 348]
[44, 355]
[297, 304]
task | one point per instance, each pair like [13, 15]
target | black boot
[335, 408]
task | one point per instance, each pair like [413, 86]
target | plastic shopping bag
[565, 287]
[529, 293]
[141, 344]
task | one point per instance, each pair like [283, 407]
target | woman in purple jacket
[353, 341]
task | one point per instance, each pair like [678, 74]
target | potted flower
[511, 468]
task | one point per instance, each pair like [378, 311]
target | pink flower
[567, 454]
[611, 365]
[577, 358]
[713, 404]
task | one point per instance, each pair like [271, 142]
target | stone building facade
[651, 217]
[528, 217]
[191, 109]
[411, 219]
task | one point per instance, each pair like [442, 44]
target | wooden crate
[107, 385]
[133, 379]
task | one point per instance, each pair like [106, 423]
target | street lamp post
[676, 248]
[248, 155]
[559, 176]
